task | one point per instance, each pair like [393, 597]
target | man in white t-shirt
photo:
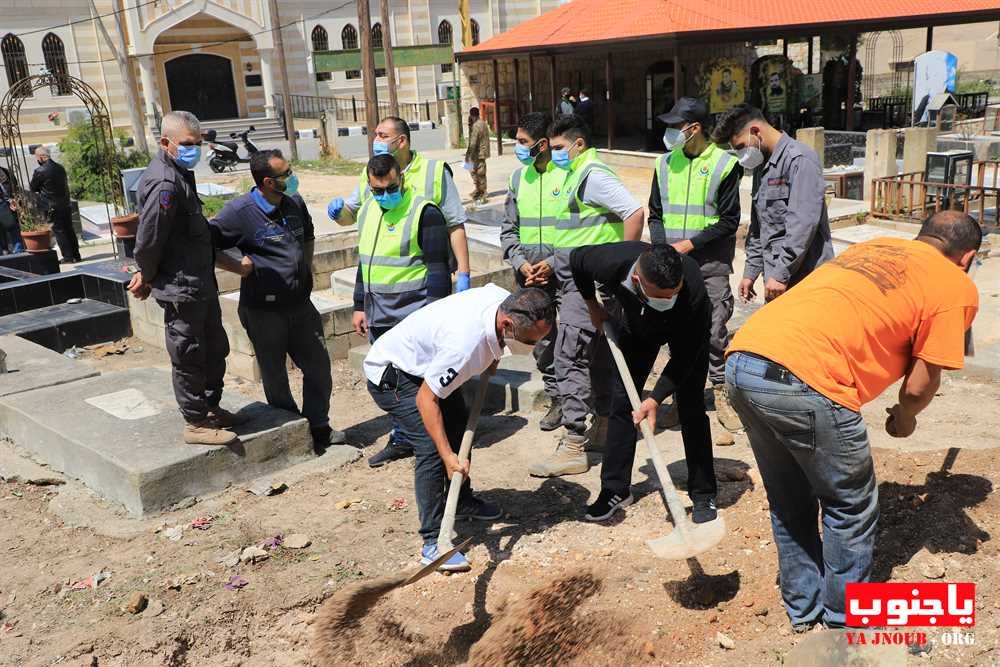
[414, 372]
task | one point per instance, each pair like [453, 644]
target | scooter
[225, 154]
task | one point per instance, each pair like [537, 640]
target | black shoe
[553, 418]
[325, 436]
[704, 510]
[390, 453]
[607, 504]
[70, 260]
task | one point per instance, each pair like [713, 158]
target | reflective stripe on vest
[689, 189]
[581, 224]
[539, 202]
[389, 246]
[429, 174]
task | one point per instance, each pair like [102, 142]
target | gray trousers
[583, 367]
[198, 347]
[721, 295]
[295, 332]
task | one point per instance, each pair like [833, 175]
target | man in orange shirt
[801, 368]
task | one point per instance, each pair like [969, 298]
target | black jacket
[684, 328]
[51, 182]
[173, 246]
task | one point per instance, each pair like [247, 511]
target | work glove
[334, 208]
[463, 282]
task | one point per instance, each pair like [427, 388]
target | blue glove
[463, 282]
[334, 208]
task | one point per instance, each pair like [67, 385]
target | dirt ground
[546, 587]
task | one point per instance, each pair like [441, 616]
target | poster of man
[772, 85]
[727, 86]
[934, 73]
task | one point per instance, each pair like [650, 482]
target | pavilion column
[930, 38]
[517, 91]
[610, 99]
[552, 83]
[852, 77]
[496, 106]
[148, 90]
[677, 73]
[267, 80]
[531, 83]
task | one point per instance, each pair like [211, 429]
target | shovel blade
[432, 567]
[689, 541]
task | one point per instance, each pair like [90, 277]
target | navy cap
[686, 110]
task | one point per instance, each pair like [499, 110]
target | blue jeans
[397, 395]
[812, 454]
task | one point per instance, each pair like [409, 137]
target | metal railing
[908, 197]
[352, 109]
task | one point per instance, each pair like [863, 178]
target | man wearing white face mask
[694, 205]
[789, 233]
[660, 300]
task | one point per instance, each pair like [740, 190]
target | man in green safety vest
[403, 261]
[694, 205]
[587, 205]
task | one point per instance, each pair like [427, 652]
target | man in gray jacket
[173, 249]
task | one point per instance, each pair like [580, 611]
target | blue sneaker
[457, 563]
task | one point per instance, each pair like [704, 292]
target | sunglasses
[391, 189]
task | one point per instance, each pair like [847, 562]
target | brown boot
[724, 410]
[206, 433]
[222, 418]
[569, 458]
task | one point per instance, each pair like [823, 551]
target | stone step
[120, 434]
[516, 387]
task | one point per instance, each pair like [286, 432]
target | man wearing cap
[694, 205]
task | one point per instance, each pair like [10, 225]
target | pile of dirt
[338, 625]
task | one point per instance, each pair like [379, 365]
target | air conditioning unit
[77, 115]
[447, 91]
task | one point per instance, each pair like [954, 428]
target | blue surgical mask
[526, 154]
[561, 158]
[380, 147]
[291, 185]
[188, 156]
[389, 200]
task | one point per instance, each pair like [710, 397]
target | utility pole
[463, 13]
[286, 98]
[390, 71]
[368, 70]
[120, 52]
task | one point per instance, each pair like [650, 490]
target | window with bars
[474, 25]
[55, 62]
[445, 36]
[349, 40]
[377, 44]
[14, 61]
[321, 42]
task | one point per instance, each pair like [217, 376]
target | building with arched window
[321, 42]
[445, 36]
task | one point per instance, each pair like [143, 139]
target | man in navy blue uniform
[271, 226]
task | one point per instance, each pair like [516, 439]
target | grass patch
[332, 166]
[211, 205]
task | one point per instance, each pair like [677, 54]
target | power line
[91, 18]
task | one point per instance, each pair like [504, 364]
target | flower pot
[125, 225]
[37, 241]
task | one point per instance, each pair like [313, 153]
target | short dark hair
[732, 122]
[529, 305]
[381, 166]
[535, 124]
[585, 91]
[958, 232]
[571, 126]
[474, 111]
[260, 164]
[662, 266]
[398, 124]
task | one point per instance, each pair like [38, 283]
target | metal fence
[352, 109]
[908, 197]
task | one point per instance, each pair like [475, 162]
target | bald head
[954, 233]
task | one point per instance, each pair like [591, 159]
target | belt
[774, 371]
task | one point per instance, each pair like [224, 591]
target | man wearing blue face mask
[272, 228]
[660, 299]
[173, 248]
[789, 233]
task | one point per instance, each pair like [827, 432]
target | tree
[82, 149]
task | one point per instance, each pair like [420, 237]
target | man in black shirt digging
[659, 299]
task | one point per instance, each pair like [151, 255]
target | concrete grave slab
[142, 463]
[31, 366]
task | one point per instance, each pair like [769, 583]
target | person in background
[802, 367]
[415, 373]
[272, 228]
[173, 249]
[10, 228]
[565, 105]
[431, 179]
[596, 208]
[477, 153]
[789, 232]
[50, 181]
[694, 205]
[403, 248]
[585, 108]
[659, 299]
[532, 206]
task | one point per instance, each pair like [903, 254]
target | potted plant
[35, 228]
[125, 226]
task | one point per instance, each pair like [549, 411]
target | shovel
[451, 505]
[688, 539]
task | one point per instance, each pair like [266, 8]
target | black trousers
[198, 347]
[616, 471]
[296, 332]
[62, 227]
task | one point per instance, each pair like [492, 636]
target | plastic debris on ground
[235, 583]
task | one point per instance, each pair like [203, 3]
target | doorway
[202, 83]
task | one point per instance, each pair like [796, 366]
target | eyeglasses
[390, 189]
[284, 176]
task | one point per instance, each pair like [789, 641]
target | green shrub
[84, 164]
[211, 205]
